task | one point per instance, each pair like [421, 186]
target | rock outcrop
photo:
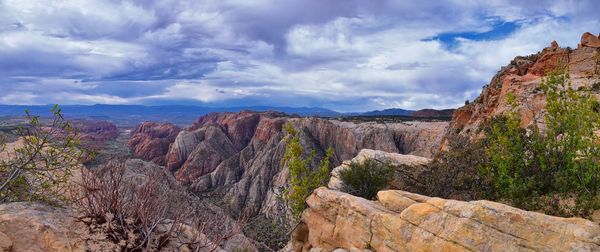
[150, 141]
[95, 131]
[137, 172]
[36, 227]
[241, 153]
[589, 40]
[402, 221]
[522, 77]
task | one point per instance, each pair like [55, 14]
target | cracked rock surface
[403, 221]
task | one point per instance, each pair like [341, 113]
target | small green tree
[303, 177]
[572, 145]
[40, 167]
[365, 179]
[507, 148]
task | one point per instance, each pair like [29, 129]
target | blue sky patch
[498, 31]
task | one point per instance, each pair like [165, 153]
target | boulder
[402, 221]
[37, 227]
[590, 40]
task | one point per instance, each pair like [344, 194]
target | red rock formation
[239, 127]
[94, 134]
[242, 152]
[522, 77]
[589, 40]
[150, 141]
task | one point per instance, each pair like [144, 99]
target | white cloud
[344, 54]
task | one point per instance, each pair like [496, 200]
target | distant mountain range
[387, 112]
[129, 115]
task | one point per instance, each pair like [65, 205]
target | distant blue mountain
[134, 114]
[388, 112]
[130, 115]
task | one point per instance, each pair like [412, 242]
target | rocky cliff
[95, 131]
[402, 221]
[150, 141]
[240, 153]
[522, 77]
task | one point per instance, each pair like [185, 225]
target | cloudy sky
[347, 55]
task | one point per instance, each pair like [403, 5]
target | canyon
[240, 154]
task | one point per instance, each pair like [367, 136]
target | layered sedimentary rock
[95, 131]
[150, 141]
[522, 77]
[402, 221]
[241, 152]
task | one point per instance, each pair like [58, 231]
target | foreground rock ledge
[402, 221]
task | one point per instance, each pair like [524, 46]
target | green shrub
[564, 159]
[367, 178]
[303, 177]
[596, 86]
[455, 173]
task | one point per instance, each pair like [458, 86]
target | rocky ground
[65, 228]
[403, 221]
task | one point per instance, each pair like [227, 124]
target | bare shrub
[148, 212]
[211, 232]
[129, 214]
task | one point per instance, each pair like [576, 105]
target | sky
[346, 55]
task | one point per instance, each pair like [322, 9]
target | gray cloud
[340, 54]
